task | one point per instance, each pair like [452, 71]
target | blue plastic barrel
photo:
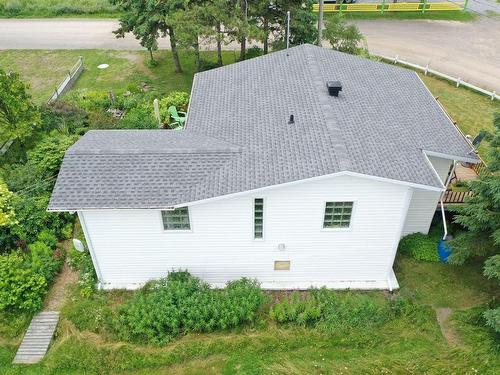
[444, 250]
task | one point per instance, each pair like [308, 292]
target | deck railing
[456, 197]
[383, 6]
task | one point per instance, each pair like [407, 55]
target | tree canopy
[19, 117]
[480, 215]
[343, 37]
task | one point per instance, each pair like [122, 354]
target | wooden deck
[37, 339]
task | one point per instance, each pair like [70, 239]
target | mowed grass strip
[56, 8]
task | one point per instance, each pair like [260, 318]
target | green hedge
[420, 247]
[182, 303]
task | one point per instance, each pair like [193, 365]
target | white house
[277, 176]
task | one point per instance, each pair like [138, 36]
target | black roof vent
[292, 120]
[334, 87]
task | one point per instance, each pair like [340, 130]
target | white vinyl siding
[424, 203]
[131, 248]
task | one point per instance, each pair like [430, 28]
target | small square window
[337, 215]
[177, 219]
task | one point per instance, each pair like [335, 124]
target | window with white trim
[258, 218]
[337, 215]
[177, 219]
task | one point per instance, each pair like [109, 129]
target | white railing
[427, 70]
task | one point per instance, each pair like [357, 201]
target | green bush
[331, 310]
[178, 99]
[21, 287]
[140, 117]
[33, 218]
[87, 280]
[45, 261]
[181, 303]
[48, 238]
[420, 247]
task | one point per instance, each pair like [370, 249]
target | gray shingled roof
[238, 137]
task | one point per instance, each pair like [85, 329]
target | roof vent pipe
[292, 120]
[334, 87]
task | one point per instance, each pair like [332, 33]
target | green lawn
[402, 346]
[56, 8]
[44, 70]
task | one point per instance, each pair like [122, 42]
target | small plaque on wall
[282, 265]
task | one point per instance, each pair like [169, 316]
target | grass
[56, 8]
[44, 70]
[403, 345]
[435, 15]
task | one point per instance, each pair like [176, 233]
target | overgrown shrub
[420, 247]
[178, 99]
[21, 286]
[332, 310]
[33, 218]
[140, 117]
[87, 280]
[45, 260]
[181, 303]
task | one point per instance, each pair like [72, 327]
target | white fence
[70, 79]
[426, 69]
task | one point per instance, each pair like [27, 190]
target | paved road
[469, 50]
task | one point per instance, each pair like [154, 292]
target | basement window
[177, 219]
[337, 215]
[258, 218]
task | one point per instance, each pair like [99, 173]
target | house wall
[424, 203]
[131, 247]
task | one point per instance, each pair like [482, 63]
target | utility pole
[320, 22]
[287, 29]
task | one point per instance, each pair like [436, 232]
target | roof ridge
[339, 146]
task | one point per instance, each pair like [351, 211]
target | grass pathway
[443, 315]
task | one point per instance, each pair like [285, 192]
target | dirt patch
[137, 59]
[443, 317]
[60, 289]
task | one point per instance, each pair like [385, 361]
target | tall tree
[192, 23]
[19, 117]
[480, 215]
[343, 37]
[148, 20]
[302, 23]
